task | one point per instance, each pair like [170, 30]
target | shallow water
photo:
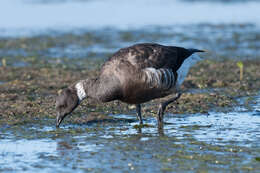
[213, 142]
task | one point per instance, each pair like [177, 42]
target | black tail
[196, 50]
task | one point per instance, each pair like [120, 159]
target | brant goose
[133, 75]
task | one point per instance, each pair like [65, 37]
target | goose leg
[162, 107]
[138, 113]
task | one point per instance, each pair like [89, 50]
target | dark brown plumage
[134, 75]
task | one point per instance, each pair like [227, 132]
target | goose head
[66, 102]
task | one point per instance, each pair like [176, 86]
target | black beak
[59, 119]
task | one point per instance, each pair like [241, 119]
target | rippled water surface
[216, 141]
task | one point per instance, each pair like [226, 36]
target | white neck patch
[80, 91]
[184, 69]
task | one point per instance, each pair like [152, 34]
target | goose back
[144, 71]
[151, 55]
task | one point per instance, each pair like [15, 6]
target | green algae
[138, 126]
[257, 159]
[195, 127]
